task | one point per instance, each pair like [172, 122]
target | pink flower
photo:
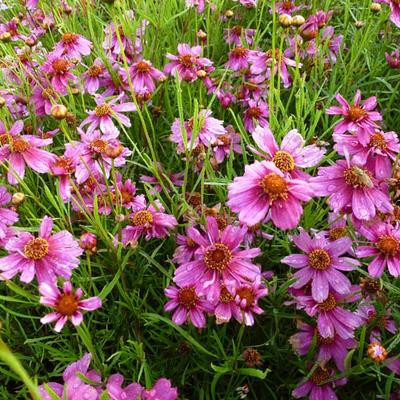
[378, 319]
[382, 148]
[238, 59]
[235, 35]
[162, 390]
[335, 348]
[185, 251]
[143, 75]
[286, 7]
[384, 247]
[7, 217]
[395, 10]
[264, 187]
[393, 59]
[316, 386]
[218, 260]
[358, 119]
[57, 68]
[73, 45]
[187, 63]
[116, 392]
[104, 112]
[227, 144]
[189, 305]
[350, 185]
[46, 256]
[20, 150]
[200, 4]
[291, 155]
[321, 265]
[149, 221]
[67, 304]
[94, 76]
[256, 115]
[43, 99]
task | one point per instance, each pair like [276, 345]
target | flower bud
[377, 352]
[5, 36]
[114, 151]
[59, 111]
[359, 24]
[298, 20]
[88, 242]
[376, 7]
[285, 20]
[17, 198]
[201, 73]
[229, 14]
[2, 102]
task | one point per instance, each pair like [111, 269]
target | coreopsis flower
[189, 304]
[149, 221]
[73, 45]
[286, 7]
[382, 148]
[248, 3]
[162, 390]
[117, 392]
[7, 217]
[57, 67]
[185, 250]
[218, 257]
[46, 256]
[187, 63]
[292, 155]
[175, 178]
[237, 33]
[337, 228]
[94, 76]
[143, 75]
[63, 167]
[238, 58]
[393, 59]
[319, 386]
[209, 130]
[88, 242]
[43, 98]
[226, 144]
[124, 192]
[256, 115]
[74, 387]
[262, 62]
[199, 4]
[395, 10]
[359, 119]
[335, 348]
[332, 319]
[94, 157]
[379, 320]
[21, 150]
[350, 185]
[384, 247]
[263, 187]
[321, 265]
[102, 116]
[67, 304]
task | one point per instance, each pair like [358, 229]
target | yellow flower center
[275, 187]
[284, 161]
[218, 257]
[67, 305]
[36, 248]
[142, 217]
[319, 259]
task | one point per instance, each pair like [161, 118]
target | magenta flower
[68, 305]
[104, 112]
[358, 119]
[226, 144]
[291, 155]
[217, 258]
[395, 10]
[335, 348]
[189, 305]
[393, 59]
[199, 4]
[63, 167]
[7, 217]
[125, 192]
[94, 76]
[46, 256]
[21, 150]
[73, 45]
[143, 75]
[350, 185]
[209, 130]
[238, 59]
[321, 264]
[185, 249]
[370, 315]
[248, 3]
[256, 115]
[187, 63]
[149, 221]
[332, 319]
[162, 390]
[263, 187]
[384, 247]
[57, 68]
[74, 388]
[236, 34]
[286, 7]
[317, 388]
[382, 148]
[116, 392]
[95, 152]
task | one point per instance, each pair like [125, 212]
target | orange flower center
[225, 296]
[284, 161]
[319, 259]
[187, 297]
[142, 217]
[218, 257]
[320, 375]
[378, 140]
[388, 245]
[126, 196]
[187, 60]
[377, 352]
[329, 304]
[337, 233]
[20, 145]
[95, 70]
[240, 52]
[247, 294]
[254, 112]
[358, 177]
[60, 65]
[237, 30]
[287, 5]
[67, 305]
[65, 163]
[143, 66]
[275, 187]
[69, 37]
[322, 340]
[102, 110]
[356, 113]
[36, 248]
[48, 94]
[98, 145]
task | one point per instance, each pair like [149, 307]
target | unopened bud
[5, 36]
[17, 198]
[201, 73]
[298, 20]
[59, 111]
[2, 102]
[359, 24]
[285, 20]
[114, 151]
[376, 7]
[229, 14]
